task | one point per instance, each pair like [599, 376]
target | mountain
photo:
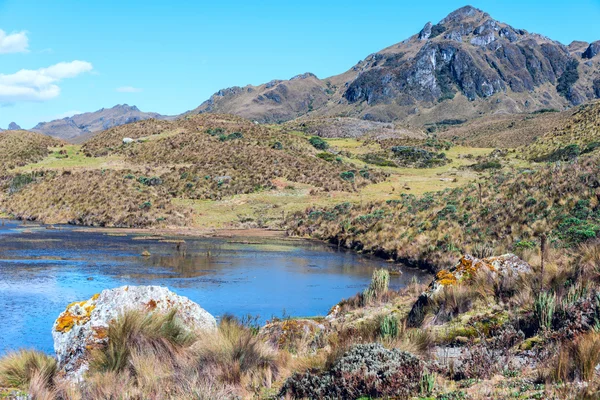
[13, 127]
[465, 66]
[83, 125]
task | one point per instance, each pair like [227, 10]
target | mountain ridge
[466, 65]
[80, 126]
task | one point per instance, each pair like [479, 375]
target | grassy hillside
[19, 148]
[578, 133]
[506, 212]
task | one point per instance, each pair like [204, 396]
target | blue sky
[170, 56]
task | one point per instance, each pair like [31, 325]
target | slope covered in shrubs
[508, 211]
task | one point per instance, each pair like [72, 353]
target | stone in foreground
[84, 325]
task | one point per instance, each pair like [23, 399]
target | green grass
[74, 159]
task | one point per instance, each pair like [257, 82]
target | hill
[82, 125]
[18, 148]
[577, 133]
[465, 66]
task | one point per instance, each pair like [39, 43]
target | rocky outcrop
[504, 266]
[296, 335]
[592, 51]
[83, 326]
[13, 127]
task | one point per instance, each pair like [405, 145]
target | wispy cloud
[40, 84]
[128, 89]
[13, 43]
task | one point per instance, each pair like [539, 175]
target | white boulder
[84, 325]
[128, 140]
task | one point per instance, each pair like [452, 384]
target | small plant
[146, 205]
[347, 176]
[378, 286]
[427, 383]
[389, 326]
[543, 309]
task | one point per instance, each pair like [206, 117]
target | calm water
[42, 271]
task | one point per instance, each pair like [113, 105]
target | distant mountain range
[84, 125]
[466, 66]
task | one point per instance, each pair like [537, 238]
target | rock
[425, 32]
[296, 335]
[13, 127]
[128, 140]
[592, 51]
[83, 325]
[507, 265]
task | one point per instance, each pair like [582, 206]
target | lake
[43, 270]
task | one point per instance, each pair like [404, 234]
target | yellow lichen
[446, 278]
[68, 319]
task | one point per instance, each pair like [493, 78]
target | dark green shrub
[326, 156]
[567, 153]
[485, 165]
[347, 176]
[232, 136]
[154, 181]
[367, 370]
[277, 146]
[318, 143]
[215, 131]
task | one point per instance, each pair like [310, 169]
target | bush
[19, 368]
[417, 157]
[318, 143]
[326, 156]
[232, 136]
[347, 176]
[577, 360]
[367, 370]
[154, 181]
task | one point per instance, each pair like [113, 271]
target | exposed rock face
[14, 127]
[83, 325]
[592, 51]
[507, 265]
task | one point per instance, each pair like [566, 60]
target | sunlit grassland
[73, 159]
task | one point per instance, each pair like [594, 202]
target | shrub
[19, 368]
[232, 136]
[326, 156]
[347, 176]
[154, 181]
[318, 143]
[367, 370]
[277, 146]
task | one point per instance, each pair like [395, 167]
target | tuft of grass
[378, 286]
[18, 369]
[160, 335]
[235, 355]
[577, 360]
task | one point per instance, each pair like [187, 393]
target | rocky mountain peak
[14, 127]
[464, 13]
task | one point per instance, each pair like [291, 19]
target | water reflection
[43, 270]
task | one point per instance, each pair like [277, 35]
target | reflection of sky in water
[41, 271]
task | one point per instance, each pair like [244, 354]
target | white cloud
[129, 89]
[13, 43]
[40, 84]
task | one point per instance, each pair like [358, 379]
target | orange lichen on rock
[151, 305]
[446, 278]
[77, 313]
